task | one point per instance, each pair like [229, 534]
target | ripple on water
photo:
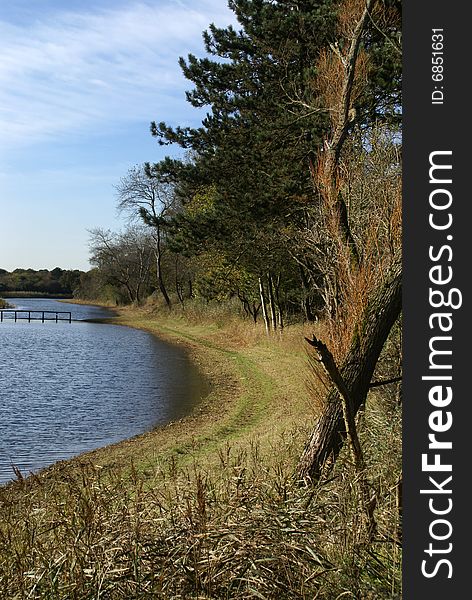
[68, 388]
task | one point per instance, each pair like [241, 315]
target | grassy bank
[207, 507]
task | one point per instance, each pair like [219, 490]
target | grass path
[256, 392]
[256, 389]
[207, 507]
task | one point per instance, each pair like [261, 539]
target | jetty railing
[10, 314]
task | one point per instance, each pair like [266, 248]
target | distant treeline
[43, 282]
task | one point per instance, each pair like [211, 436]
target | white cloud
[80, 71]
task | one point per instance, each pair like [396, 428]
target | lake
[66, 388]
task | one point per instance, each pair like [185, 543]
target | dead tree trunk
[378, 318]
[326, 359]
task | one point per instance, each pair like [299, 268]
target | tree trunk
[255, 311]
[272, 300]
[264, 307]
[160, 280]
[179, 288]
[305, 299]
[358, 367]
[279, 308]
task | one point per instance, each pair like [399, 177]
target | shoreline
[213, 489]
[236, 398]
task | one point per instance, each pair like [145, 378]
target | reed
[214, 511]
[244, 529]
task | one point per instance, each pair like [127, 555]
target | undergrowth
[226, 520]
[245, 529]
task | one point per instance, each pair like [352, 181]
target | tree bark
[358, 367]
[264, 307]
[277, 299]
[309, 316]
[160, 280]
[272, 300]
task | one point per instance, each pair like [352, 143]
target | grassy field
[209, 507]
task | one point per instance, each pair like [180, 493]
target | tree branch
[326, 359]
[386, 382]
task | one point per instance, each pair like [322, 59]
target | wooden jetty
[11, 314]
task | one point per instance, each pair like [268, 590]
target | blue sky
[80, 82]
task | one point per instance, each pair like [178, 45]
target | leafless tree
[145, 197]
[123, 259]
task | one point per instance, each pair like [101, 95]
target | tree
[57, 281]
[123, 260]
[142, 194]
[265, 124]
[250, 150]
[366, 279]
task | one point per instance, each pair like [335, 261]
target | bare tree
[123, 259]
[143, 196]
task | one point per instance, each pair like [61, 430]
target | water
[66, 388]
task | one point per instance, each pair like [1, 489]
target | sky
[80, 83]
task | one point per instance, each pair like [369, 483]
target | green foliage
[246, 189]
[202, 203]
[248, 172]
[93, 287]
[57, 281]
[218, 279]
[244, 194]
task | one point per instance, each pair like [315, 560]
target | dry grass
[209, 507]
[4, 303]
[243, 530]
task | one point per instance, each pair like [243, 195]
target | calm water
[66, 388]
